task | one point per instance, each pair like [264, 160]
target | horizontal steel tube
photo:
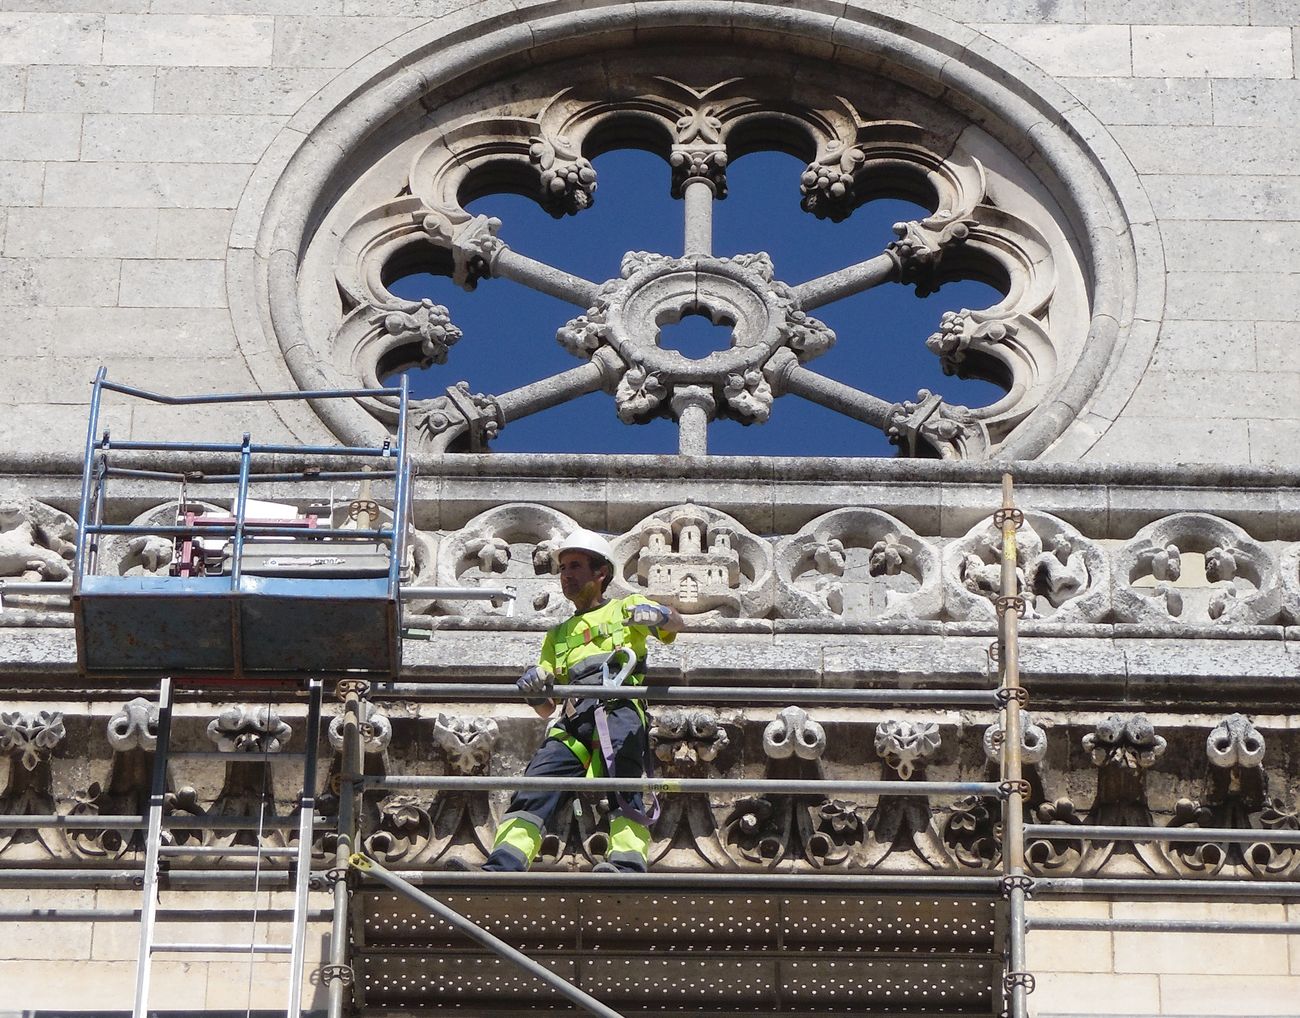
[455, 692]
[1181, 887]
[132, 915]
[254, 448]
[109, 822]
[246, 397]
[661, 883]
[231, 851]
[457, 782]
[298, 475]
[236, 756]
[1234, 835]
[250, 529]
[222, 948]
[194, 880]
[459, 593]
[1160, 925]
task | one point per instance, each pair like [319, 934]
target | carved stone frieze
[1196, 568]
[376, 730]
[697, 559]
[510, 545]
[1061, 574]
[857, 563]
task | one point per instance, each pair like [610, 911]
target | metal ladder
[155, 850]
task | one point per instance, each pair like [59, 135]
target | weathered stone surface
[1247, 247]
[118, 233]
[21, 183]
[110, 333]
[186, 41]
[1138, 101]
[49, 38]
[1183, 440]
[71, 89]
[1216, 52]
[1230, 151]
[181, 138]
[13, 82]
[1093, 50]
[333, 42]
[1229, 197]
[153, 283]
[193, 233]
[72, 282]
[1228, 296]
[145, 185]
[236, 91]
[47, 136]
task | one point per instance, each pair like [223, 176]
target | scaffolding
[238, 609]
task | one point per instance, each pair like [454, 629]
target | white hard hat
[588, 541]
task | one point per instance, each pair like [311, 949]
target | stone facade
[203, 196]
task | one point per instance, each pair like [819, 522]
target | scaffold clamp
[343, 973]
[1019, 787]
[1016, 882]
[1013, 979]
[1003, 602]
[1005, 515]
[346, 687]
[1006, 694]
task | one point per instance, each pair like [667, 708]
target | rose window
[981, 218]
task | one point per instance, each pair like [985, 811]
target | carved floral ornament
[862, 137]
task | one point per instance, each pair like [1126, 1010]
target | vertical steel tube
[347, 820]
[302, 878]
[83, 510]
[399, 497]
[149, 906]
[1013, 833]
[241, 511]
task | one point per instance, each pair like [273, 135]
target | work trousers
[520, 834]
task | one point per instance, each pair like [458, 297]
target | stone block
[1246, 995]
[1062, 993]
[47, 38]
[1274, 443]
[1232, 296]
[1202, 346]
[208, 423]
[1229, 151]
[181, 138]
[334, 42]
[1199, 664]
[179, 40]
[77, 6]
[1141, 101]
[1023, 11]
[155, 283]
[1157, 12]
[116, 332]
[228, 981]
[902, 660]
[1192, 246]
[74, 282]
[753, 659]
[1100, 51]
[1276, 344]
[1143, 437]
[146, 185]
[1201, 953]
[20, 183]
[1051, 951]
[62, 89]
[41, 136]
[1255, 102]
[13, 87]
[82, 233]
[193, 233]
[320, 7]
[237, 90]
[1216, 394]
[1215, 52]
[1225, 197]
[50, 379]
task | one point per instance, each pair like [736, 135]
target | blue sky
[509, 330]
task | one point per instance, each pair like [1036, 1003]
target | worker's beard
[585, 597]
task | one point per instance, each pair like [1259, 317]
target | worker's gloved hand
[649, 614]
[535, 684]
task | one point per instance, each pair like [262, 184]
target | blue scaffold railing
[246, 595]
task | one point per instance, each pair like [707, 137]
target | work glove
[535, 684]
[649, 614]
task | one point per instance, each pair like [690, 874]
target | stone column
[694, 406]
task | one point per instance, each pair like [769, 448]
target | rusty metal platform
[745, 952]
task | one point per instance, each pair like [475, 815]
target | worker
[591, 736]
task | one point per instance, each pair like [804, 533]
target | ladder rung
[229, 850]
[222, 948]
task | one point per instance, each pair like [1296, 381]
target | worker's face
[579, 577]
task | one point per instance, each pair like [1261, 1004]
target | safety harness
[597, 670]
